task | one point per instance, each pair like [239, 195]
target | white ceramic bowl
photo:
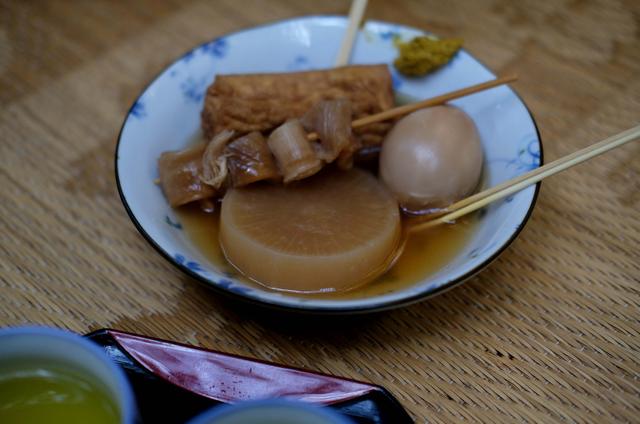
[167, 115]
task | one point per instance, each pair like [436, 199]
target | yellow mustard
[423, 54]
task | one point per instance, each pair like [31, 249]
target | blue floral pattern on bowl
[194, 90]
[138, 110]
[233, 287]
[299, 63]
[216, 48]
[189, 264]
[527, 156]
[172, 223]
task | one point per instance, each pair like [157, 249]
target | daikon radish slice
[330, 232]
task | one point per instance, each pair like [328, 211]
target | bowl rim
[307, 308]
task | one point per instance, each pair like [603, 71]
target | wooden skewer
[355, 16]
[434, 101]
[514, 185]
[490, 191]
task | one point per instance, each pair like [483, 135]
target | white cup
[276, 411]
[48, 346]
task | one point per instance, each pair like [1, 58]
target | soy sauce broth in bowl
[203, 229]
[167, 117]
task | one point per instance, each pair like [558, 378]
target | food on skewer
[344, 160]
[214, 162]
[249, 160]
[331, 121]
[286, 155]
[432, 158]
[180, 176]
[294, 154]
[262, 102]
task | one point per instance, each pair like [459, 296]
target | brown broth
[425, 253]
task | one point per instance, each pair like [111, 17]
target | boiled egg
[431, 158]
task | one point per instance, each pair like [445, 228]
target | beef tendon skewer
[249, 160]
[295, 150]
[180, 176]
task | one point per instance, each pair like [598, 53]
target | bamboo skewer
[355, 16]
[434, 101]
[514, 185]
[478, 196]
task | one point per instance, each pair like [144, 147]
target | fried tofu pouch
[262, 102]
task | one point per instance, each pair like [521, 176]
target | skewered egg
[431, 158]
